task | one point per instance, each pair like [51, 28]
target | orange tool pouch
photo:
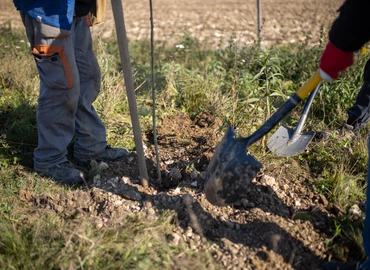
[53, 66]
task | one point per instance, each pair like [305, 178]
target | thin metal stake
[153, 92]
[259, 23]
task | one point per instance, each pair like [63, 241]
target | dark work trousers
[366, 230]
[69, 84]
[359, 113]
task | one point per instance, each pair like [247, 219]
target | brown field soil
[215, 22]
[282, 223]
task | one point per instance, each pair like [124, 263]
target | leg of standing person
[57, 103]
[359, 113]
[90, 132]
[365, 234]
[366, 231]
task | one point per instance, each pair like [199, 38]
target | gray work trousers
[69, 84]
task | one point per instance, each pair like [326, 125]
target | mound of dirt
[281, 223]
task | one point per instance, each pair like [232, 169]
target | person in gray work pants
[69, 84]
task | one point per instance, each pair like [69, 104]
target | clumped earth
[281, 223]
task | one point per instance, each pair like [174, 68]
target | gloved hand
[334, 61]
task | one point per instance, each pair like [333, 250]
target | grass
[51, 242]
[241, 85]
[33, 236]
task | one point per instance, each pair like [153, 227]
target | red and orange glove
[334, 61]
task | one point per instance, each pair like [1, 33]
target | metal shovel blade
[230, 171]
[283, 144]
[288, 142]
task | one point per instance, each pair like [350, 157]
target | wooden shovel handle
[127, 73]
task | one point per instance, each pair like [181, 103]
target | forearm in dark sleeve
[351, 30]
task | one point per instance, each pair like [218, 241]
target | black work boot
[64, 173]
[347, 131]
[108, 154]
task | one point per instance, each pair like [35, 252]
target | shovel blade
[282, 143]
[230, 171]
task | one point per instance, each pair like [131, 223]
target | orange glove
[334, 61]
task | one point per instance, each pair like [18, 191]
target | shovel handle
[130, 90]
[304, 114]
[311, 84]
[285, 108]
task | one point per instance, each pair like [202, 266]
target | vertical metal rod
[259, 23]
[127, 73]
[153, 92]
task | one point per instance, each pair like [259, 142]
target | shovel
[127, 73]
[231, 168]
[287, 142]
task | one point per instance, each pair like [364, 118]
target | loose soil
[281, 223]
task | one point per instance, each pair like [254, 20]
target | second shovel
[288, 142]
